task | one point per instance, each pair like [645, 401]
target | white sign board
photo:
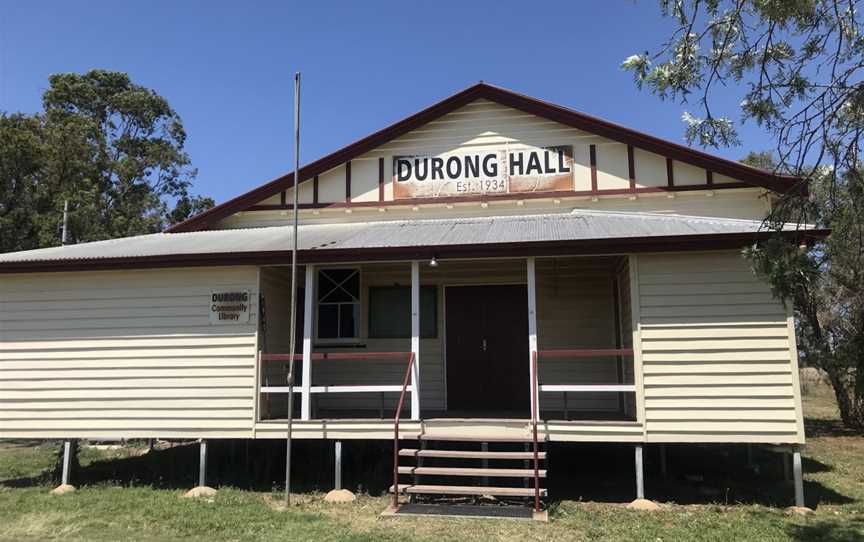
[505, 171]
[229, 306]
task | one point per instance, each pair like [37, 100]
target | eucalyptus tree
[22, 160]
[113, 149]
[794, 68]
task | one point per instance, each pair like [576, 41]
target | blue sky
[227, 67]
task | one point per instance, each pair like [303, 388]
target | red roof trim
[443, 200]
[556, 113]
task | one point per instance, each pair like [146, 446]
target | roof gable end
[539, 108]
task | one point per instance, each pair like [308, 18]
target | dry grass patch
[45, 524]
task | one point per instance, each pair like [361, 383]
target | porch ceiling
[317, 241]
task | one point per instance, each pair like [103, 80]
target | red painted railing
[396, 416]
[535, 415]
[355, 356]
[535, 390]
[586, 353]
[344, 356]
[280, 357]
[334, 356]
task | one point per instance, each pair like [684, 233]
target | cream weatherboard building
[501, 263]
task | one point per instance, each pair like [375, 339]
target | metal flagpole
[64, 237]
[293, 330]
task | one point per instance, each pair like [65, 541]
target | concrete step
[455, 471]
[462, 510]
[470, 454]
[468, 490]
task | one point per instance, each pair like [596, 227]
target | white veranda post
[415, 339]
[308, 309]
[532, 334]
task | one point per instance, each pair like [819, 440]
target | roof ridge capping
[554, 112]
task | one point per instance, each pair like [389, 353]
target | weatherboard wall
[124, 354]
[718, 352]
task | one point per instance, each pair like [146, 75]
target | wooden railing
[584, 353]
[396, 417]
[336, 356]
[536, 388]
[356, 356]
[535, 415]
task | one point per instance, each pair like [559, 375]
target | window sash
[401, 295]
[338, 285]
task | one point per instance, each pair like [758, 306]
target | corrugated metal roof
[570, 226]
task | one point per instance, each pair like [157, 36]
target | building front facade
[482, 237]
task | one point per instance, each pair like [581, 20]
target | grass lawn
[103, 510]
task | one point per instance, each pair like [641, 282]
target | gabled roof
[596, 232]
[527, 104]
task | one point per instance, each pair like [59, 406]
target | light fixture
[433, 262]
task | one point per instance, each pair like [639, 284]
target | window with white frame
[338, 303]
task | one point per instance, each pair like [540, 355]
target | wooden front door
[487, 350]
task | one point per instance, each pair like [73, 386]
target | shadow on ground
[826, 531]
[814, 427]
[695, 474]
[245, 464]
